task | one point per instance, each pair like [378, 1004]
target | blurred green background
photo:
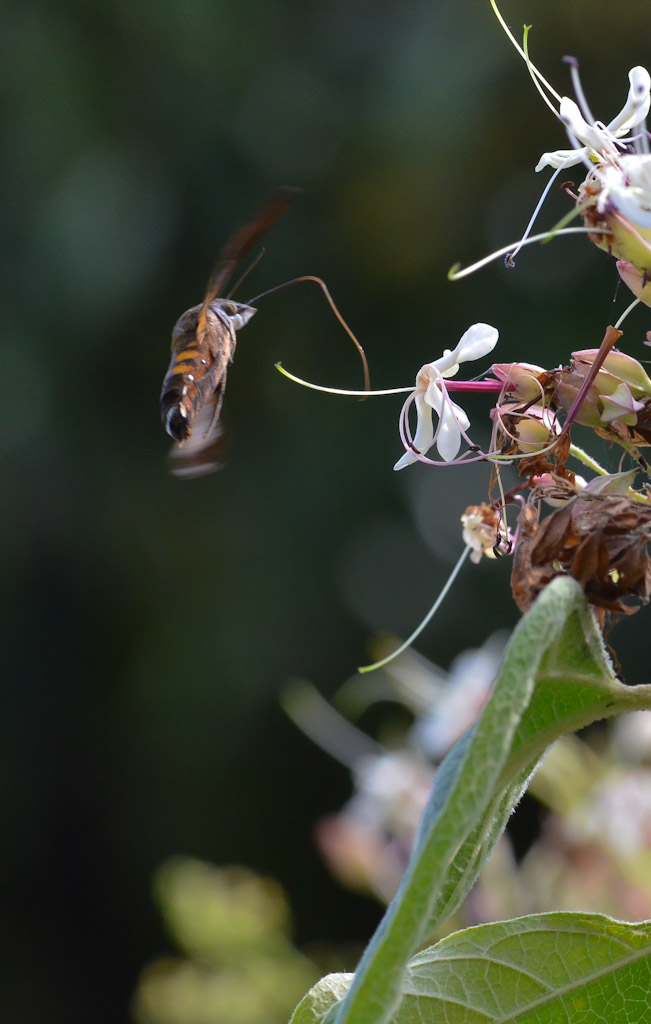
[149, 622]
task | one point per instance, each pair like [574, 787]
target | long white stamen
[340, 391]
[403, 424]
[578, 89]
[628, 309]
[507, 544]
[535, 74]
[430, 615]
[454, 274]
[532, 67]
[640, 140]
[535, 213]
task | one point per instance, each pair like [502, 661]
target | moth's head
[237, 313]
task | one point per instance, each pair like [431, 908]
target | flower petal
[634, 203]
[620, 406]
[637, 104]
[561, 158]
[597, 139]
[478, 341]
[448, 439]
[424, 437]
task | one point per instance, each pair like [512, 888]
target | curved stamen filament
[339, 391]
[578, 89]
[535, 74]
[533, 70]
[628, 309]
[521, 412]
[517, 440]
[455, 273]
[504, 544]
[448, 401]
[403, 425]
[428, 618]
[407, 439]
[516, 534]
[545, 193]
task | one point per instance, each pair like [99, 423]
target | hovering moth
[203, 346]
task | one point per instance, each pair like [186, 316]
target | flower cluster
[600, 528]
[615, 197]
[599, 525]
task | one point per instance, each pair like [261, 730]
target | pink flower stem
[473, 385]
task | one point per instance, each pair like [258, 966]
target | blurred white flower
[458, 704]
[368, 843]
[632, 735]
[617, 813]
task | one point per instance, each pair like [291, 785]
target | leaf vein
[565, 989]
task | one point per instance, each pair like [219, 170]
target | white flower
[430, 395]
[599, 140]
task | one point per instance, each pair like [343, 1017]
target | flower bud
[522, 379]
[620, 407]
[618, 367]
[530, 431]
[636, 281]
[569, 385]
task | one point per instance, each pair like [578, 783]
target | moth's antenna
[246, 273]
[322, 285]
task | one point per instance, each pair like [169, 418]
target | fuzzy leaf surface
[540, 969]
[556, 678]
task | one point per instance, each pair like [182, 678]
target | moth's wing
[203, 451]
[239, 245]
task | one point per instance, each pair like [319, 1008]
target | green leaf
[556, 677]
[541, 969]
[326, 993]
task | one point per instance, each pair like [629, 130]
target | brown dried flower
[599, 539]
